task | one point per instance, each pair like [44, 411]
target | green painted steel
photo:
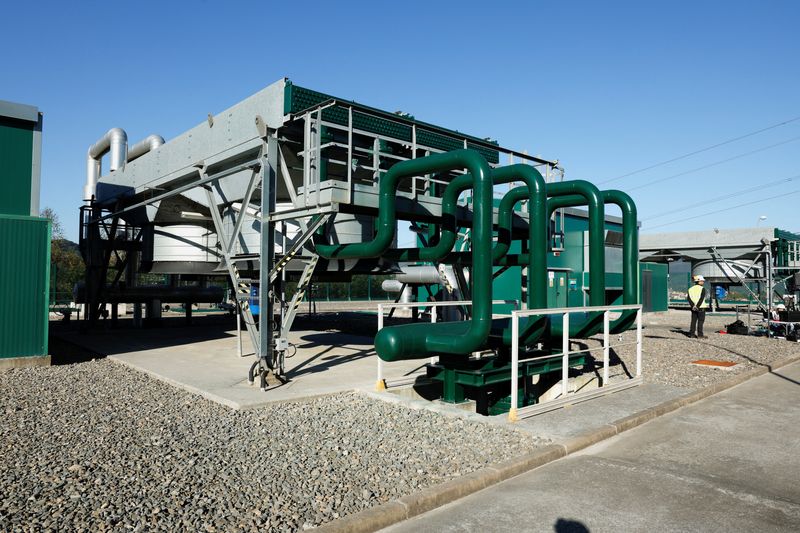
[630, 248]
[597, 259]
[630, 236]
[297, 99]
[783, 254]
[16, 166]
[416, 341]
[476, 379]
[24, 285]
[535, 192]
[659, 286]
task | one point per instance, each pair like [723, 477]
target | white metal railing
[514, 413]
[381, 382]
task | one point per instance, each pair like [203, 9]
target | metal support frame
[243, 289]
[298, 245]
[269, 168]
[308, 212]
[768, 272]
[282, 341]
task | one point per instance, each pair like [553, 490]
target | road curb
[384, 515]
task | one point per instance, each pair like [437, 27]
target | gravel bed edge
[392, 512]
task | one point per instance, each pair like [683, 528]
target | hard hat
[781, 307]
[698, 278]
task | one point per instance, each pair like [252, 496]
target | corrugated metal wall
[657, 286]
[24, 285]
[16, 148]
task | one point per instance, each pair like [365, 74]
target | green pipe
[421, 340]
[442, 246]
[630, 237]
[590, 323]
[533, 327]
[597, 255]
[535, 192]
[630, 247]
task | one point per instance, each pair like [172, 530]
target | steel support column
[269, 171]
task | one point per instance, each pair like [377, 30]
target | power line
[725, 197]
[714, 164]
[783, 195]
[700, 151]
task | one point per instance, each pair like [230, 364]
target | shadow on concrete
[330, 341]
[564, 525]
[107, 340]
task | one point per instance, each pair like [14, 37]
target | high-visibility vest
[698, 294]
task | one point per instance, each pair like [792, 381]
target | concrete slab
[727, 463]
[202, 358]
[576, 419]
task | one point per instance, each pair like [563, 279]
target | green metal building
[24, 240]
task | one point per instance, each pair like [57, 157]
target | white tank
[713, 271]
[346, 228]
[184, 249]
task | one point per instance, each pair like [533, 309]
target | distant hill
[67, 245]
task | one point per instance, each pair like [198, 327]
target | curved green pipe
[597, 255]
[590, 323]
[534, 191]
[412, 341]
[630, 247]
[533, 327]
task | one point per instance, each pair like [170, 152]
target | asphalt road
[727, 463]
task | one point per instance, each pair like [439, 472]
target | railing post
[239, 326]
[433, 321]
[380, 384]
[512, 412]
[565, 349]
[639, 342]
[606, 348]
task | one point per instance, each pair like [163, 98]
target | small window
[613, 238]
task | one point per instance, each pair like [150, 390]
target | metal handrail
[514, 413]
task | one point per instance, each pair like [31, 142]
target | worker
[698, 305]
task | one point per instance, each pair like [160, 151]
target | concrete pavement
[727, 463]
[203, 359]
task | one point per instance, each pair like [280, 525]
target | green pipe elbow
[630, 244]
[597, 257]
[387, 211]
[420, 340]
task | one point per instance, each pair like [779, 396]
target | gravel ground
[668, 352]
[96, 446]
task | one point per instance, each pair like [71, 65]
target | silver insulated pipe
[115, 142]
[148, 144]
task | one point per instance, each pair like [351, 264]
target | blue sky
[605, 87]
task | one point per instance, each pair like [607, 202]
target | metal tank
[729, 272]
[184, 249]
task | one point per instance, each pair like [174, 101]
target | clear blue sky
[605, 87]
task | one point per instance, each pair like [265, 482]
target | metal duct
[423, 275]
[148, 144]
[114, 141]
